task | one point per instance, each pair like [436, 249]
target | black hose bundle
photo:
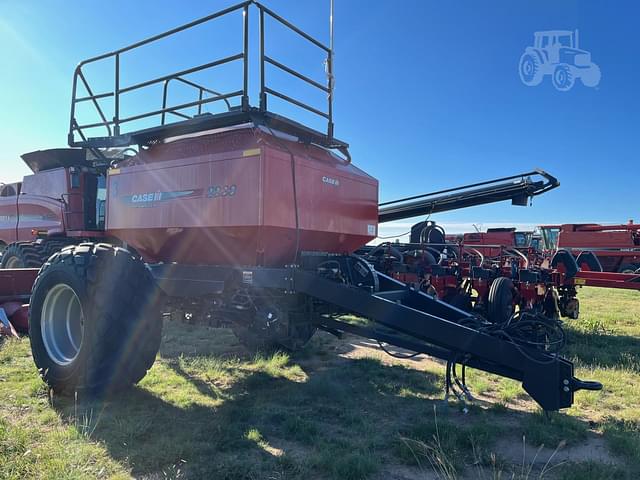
[523, 328]
[531, 329]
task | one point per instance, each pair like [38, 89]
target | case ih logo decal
[148, 199]
[331, 181]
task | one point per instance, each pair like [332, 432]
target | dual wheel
[94, 319]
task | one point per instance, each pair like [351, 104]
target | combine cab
[61, 203]
[239, 217]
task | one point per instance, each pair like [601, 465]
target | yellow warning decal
[114, 171]
[251, 152]
[579, 281]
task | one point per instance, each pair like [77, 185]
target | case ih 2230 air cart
[240, 216]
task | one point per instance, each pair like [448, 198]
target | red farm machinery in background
[616, 246]
[502, 273]
[494, 241]
[220, 211]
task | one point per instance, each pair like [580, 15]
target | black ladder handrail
[113, 125]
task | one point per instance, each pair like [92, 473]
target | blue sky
[427, 93]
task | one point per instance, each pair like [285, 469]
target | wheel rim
[62, 324]
[13, 262]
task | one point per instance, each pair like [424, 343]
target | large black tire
[52, 245]
[500, 300]
[23, 255]
[113, 334]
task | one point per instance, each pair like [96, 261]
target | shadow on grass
[603, 349]
[343, 419]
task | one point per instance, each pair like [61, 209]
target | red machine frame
[616, 246]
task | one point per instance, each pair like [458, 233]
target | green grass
[209, 409]
[553, 428]
[592, 471]
[437, 432]
[623, 439]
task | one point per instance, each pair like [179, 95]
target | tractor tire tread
[30, 254]
[500, 288]
[123, 309]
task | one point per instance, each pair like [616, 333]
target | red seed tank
[227, 198]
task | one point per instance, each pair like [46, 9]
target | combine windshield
[536, 243]
[550, 238]
[522, 239]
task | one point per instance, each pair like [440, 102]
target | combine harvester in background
[496, 241]
[616, 246]
[237, 217]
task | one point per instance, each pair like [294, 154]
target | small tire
[23, 255]
[94, 319]
[500, 301]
